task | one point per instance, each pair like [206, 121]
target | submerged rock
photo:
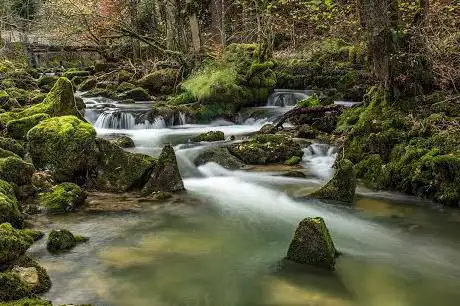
[64, 145]
[62, 240]
[220, 156]
[125, 142]
[209, 137]
[342, 186]
[313, 245]
[265, 149]
[166, 176]
[118, 170]
[65, 197]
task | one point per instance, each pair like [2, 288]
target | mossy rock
[101, 92]
[162, 81]
[9, 208]
[62, 240]
[40, 281]
[19, 128]
[22, 96]
[312, 245]
[12, 288]
[125, 86]
[220, 156]
[124, 142]
[118, 170]
[265, 149]
[6, 153]
[210, 136]
[46, 82]
[13, 244]
[65, 197]
[342, 186]
[15, 170]
[28, 302]
[305, 131]
[71, 73]
[294, 160]
[59, 102]
[64, 145]
[136, 94]
[165, 176]
[43, 180]
[124, 76]
[36, 235]
[88, 84]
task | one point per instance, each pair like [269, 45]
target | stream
[222, 243]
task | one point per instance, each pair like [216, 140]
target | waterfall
[118, 120]
[320, 158]
[182, 118]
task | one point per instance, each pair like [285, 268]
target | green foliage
[312, 101]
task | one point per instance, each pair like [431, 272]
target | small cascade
[320, 158]
[119, 120]
[182, 118]
[287, 97]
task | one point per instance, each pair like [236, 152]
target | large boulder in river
[266, 149]
[313, 245]
[64, 145]
[65, 197]
[220, 156]
[166, 176]
[9, 208]
[342, 186]
[59, 102]
[120, 171]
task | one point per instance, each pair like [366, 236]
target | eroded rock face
[118, 170]
[266, 149]
[342, 186]
[166, 176]
[220, 156]
[313, 245]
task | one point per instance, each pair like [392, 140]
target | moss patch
[62, 240]
[65, 197]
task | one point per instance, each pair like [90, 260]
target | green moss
[65, 197]
[62, 240]
[19, 128]
[71, 73]
[136, 94]
[88, 84]
[370, 170]
[342, 186]
[124, 76]
[209, 112]
[20, 95]
[13, 243]
[34, 234]
[46, 82]
[44, 281]
[12, 288]
[209, 136]
[312, 245]
[185, 97]
[125, 86]
[9, 208]
[162, 81]
[6, 153]
[312, 101]
[124, 142]
[12, 145]
[28, 302]
[16, 171]
[119, 170]
[65, 145]
[294, 160]
[266, 148]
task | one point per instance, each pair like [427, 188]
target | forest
[229, 152]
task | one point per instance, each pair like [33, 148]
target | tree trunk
[194, 29]
[171, 29]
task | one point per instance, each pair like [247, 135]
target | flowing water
[222, 243]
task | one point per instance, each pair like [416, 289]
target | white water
[319, 158]
[287, 97]
[118, 120]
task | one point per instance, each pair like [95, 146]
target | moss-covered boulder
[125, 86]
[209, 137]
[220, 156]
[118, 170]
[136, 94]
[88, 84]
[65, 197]
[9, 208]
[12, 287]
[265, 149]
[60, 101]
[71, 73]
[124, 142]
[124, 76]
[166, 176]
[13, 244]
[19, 128]
[46, 82]
[342, 186]
[312, 245]
[6, 153]
[162, 81]
[16, 171]
[12, 145]
[31, 273]
[61, 240]
[64, 145]
[22, 96]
